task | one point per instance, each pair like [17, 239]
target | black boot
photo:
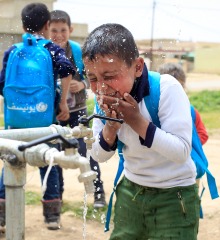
[51, 213]
[2, 215]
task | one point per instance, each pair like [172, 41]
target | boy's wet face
[110, 76]
[60, 33]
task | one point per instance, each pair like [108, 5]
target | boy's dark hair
[175, 70]
[111, 39]
[34, 16]
[60, 16]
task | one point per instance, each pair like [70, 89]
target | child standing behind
[35, 19]
[176, 71]
[60, 30]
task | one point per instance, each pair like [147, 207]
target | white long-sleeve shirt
[167, 162]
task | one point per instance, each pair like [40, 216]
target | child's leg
[51, 199]
[2, 185]
[2, 202]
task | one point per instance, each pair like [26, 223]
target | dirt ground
[74, 228]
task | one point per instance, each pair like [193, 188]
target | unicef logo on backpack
[41, 107]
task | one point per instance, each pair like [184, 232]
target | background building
[11, 27]
[194, 56]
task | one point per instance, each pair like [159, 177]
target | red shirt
[200, 127]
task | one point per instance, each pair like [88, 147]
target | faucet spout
[72, 159]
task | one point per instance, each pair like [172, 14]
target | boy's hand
[64, 112]
[126, 109]
[76, 86]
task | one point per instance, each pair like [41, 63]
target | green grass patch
[78, 209]
[211, 120]
[206, 101]
[32, 198]
[2, 120]
[208, 105]
[90, 106]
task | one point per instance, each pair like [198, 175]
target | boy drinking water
[158, 197]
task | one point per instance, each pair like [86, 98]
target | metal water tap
[69, 158]
[82, 131]
[84, 122]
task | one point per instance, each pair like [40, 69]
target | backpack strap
[30, 40]
[117, 177]
[152, 100]
[198, 153]
[152, 104]
[77, 54]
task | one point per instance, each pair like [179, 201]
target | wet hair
[60, 16]
[175, 70]
[111, 39]
[34, 16]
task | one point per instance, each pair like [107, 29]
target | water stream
[85, 208]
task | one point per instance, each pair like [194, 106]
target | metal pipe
[29, 134]
[39, 155]
[11, 146]
[14, 180]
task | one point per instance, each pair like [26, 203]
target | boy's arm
[77, 86]
[64, 110]
[65, 70]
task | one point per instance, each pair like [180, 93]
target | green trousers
[144, 213]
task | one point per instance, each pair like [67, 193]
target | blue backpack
[29, 90]
[197, 153]
[77, 54]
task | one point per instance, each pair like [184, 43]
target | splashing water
[103, 217]
[85, 209]
[88, 154]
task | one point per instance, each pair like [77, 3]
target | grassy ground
[208, 104]
[76, 208]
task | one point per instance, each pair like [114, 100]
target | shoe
[51, 212]
[52, 224]
[2, 230]
[99, 200]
